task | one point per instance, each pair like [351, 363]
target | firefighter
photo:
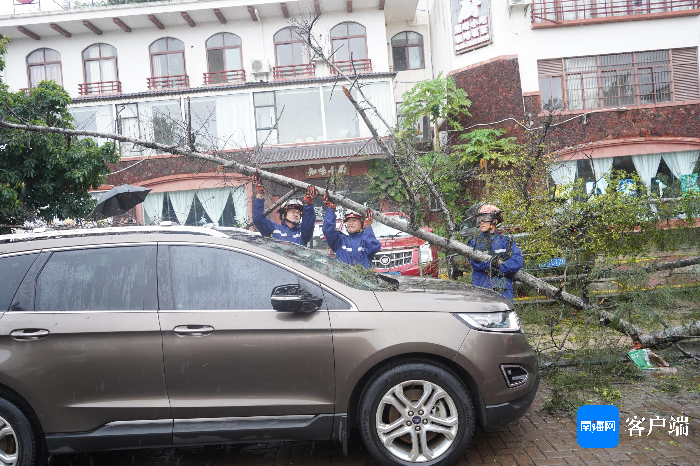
[297, 217]
[357, 247]
[506, 260]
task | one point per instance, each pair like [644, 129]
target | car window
[12, 271]
[206, 278]
[355, 276]
[333, 302]
[103, 279]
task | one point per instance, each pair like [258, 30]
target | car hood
[433, 295]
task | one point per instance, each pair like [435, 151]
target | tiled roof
[361, 148]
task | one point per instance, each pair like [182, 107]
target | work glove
[328, 202]
[369, 216]
[493, 266]
[257, 183]
[311, 194]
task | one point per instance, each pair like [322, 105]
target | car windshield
[383, 231]
[355, 276]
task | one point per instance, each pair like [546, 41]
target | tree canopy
[45, 175]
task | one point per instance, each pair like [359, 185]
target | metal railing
[168, 82]
[105, 87]
[224, 77]
[294, 71]
[353, 67]
[559, 11]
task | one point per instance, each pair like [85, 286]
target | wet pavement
[536, 439]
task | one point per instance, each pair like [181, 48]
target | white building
[241, 68]
[630, 65]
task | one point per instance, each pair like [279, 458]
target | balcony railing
[353, 66]
[225, 77]
[168, 82]
[558, 11]
[101, 88]
[294, 71]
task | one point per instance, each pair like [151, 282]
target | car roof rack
[165, 227]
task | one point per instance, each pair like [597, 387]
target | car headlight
[504, 321]
[425, 253]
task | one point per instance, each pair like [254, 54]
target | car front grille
[391, 259]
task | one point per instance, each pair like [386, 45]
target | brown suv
[159, 336]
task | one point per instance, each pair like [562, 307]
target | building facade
[623, 72]
[240, 73]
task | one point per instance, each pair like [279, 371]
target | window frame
[347, 38]
[601, 71]
[224, 47]
[292, 41]
[100, 58]
[255, 118]
[406, 47]
[43, 63]
[151, 54]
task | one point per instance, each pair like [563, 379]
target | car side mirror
[292, 298]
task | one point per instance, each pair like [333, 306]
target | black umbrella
[119, 200]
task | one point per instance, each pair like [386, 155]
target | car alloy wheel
[9, 447]
[417, 421]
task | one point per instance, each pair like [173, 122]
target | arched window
[100, 70]
[167, 63]
[407, 50]
[224, 59]
[349, 42]
[350, 48]
[291, 55]
[44, 64]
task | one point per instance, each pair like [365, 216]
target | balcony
[100, 88]
[353, 67]
[224, 77]
[553, 12]
[294, 71]
[181, 81]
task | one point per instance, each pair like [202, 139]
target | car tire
[18, 440]
[441, 421]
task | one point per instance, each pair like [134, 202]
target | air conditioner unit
[260, 66]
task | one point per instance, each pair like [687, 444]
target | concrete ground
[536, 439]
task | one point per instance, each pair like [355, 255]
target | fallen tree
[659, 338]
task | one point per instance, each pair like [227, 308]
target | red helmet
[290, 204]
[489, 213]
[352, 214]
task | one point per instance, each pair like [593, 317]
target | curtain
[92, 71]
[53, 73]
[36, 75]
[646, 165]
[681, 163]
[214, 201]
[153, 206]
[158, 62]
[234, 118]
[240, 204]
[145, 122]
[104, 121]
[109, 70]
[379, 94]
[182, 203]
[601, 168]
[564, 173]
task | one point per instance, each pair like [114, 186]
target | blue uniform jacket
[358, 248]
[502, 283]
[299, 235]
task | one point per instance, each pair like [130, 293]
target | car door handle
[193, 330]
[29, 334]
